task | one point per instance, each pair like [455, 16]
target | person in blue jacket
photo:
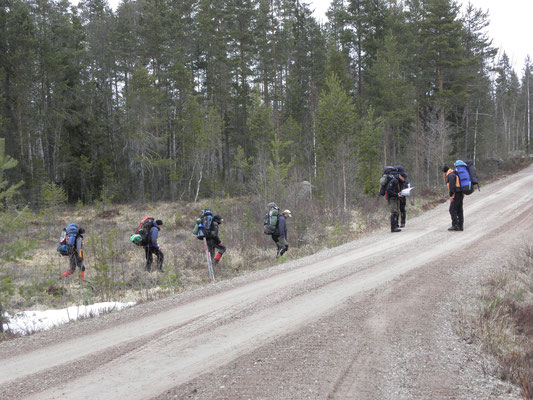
[153, 247]
[280, 234]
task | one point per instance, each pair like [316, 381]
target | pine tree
[527, 87]
[335, 123]
[368, 159]
[479, 53]
[13, 236]
[393, 98]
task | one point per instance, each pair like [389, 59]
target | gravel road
[372, 319]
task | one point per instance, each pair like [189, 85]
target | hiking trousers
[403, 203]
[213, 244]
[149, 251]
[76, 261]
[394, 208]
[282, 243]
[456, 210]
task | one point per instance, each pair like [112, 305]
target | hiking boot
[279, 253]
[81, 275]
[402, 225]
[461, 228]
[395, 229]
[453, 228]
[66, 273]
[216, 262]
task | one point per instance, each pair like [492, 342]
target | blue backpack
[68, 240]
[204, 226]
[461, 169]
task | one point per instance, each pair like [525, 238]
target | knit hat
[159, 222]
[445, 169]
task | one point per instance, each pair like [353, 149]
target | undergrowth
[501, 320]
[115, 267]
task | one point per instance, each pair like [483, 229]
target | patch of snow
[25, 322]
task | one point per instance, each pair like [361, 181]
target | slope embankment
[368, 320]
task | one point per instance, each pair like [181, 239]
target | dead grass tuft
[108, 213]
[433, 203]
[500, 322]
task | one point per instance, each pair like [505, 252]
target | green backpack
[271, 219]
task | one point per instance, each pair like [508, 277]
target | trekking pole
[209, 263]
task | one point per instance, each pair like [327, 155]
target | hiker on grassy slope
[456, 198]
[76, 257]
[280, 234]
[152, 247]
[393, 190]
[213, 240]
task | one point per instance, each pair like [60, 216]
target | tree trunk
[19, 129]
[475, 134]
[344, 191]
[198, 185]
[1, 318]
[528, 118]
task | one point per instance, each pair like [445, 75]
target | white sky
[511, 27]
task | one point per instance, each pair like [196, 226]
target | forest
[189, 99]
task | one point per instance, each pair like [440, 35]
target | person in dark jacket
[213, 240]
[280, 236]
[456, 198]
[393, 190]
[76, 258]
[153, 247]
[403, 202]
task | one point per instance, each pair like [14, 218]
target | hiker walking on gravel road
[393, 190]
[456, 198]
[403, 201]
[280, 234]
[152, 247]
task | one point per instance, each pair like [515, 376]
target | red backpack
[144, 229]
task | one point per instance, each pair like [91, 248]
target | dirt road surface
[372, 319]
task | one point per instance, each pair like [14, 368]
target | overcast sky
[511, 25]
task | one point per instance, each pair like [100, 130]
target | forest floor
[371, 319]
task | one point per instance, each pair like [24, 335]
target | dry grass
[501, 320]
[115, 267]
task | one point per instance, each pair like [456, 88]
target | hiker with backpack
[460, 181]
[72, 245]
[451, 177]
[393, 196]
[213, 240]
[403, 199]
[152, 247]
[280, 234]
